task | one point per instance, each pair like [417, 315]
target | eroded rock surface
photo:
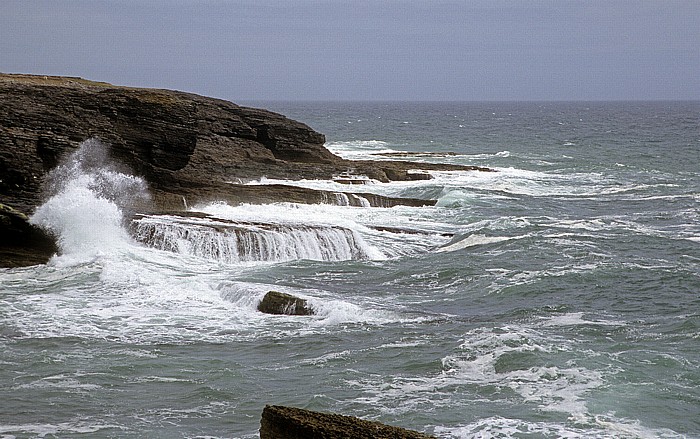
[279, 422]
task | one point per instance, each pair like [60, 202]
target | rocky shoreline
[187, 147]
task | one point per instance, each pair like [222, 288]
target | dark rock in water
[174, 140]
[21, 243]
[279, 422]
[275, 302]
[419, 175]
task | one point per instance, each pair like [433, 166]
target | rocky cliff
[188, 148]
[183, 144]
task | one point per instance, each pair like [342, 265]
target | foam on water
[593, 427]
[63, 428]
[576, 319]
[358, 149]
[327, 310]
[496, 363]
[496, 357]
[365, 224]
[129, 301]
[474, 240]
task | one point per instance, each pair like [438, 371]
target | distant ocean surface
[557, 297]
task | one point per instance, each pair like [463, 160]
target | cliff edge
[184, 145]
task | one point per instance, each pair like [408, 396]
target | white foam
[576, 319]
[517, 181]
[358, 149]
[84, 209]
[63, 428]
[552, 388]
[595, 427]
[379, 244]
[327, 310]
[475, 240]
[86, 224]
[265, 242]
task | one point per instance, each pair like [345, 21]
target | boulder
[275, 302]
[279, 422]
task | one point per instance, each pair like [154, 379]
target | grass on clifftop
[50, 80]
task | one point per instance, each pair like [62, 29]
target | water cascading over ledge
[233, 242]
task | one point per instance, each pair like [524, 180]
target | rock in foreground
[275, 302]
[280, 422]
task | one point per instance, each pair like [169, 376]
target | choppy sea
[557, 297]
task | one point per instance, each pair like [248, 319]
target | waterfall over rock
[231, 242]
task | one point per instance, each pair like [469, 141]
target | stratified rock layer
[279, 422]
[183, 144]
[189, 149]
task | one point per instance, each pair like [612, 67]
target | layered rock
[279, 422]
[188, 148]
[182, 144]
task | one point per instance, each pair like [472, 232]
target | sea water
[556, 297]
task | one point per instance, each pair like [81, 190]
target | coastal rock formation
[188, 148]
[22, 243]
[275, 302]
[184, 145]
[279, 422]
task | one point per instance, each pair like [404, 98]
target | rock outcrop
[183, 144]
[187, 147]
[22, 243]
[275, 302]
[279, 422]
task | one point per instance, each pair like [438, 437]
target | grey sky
[365, 50]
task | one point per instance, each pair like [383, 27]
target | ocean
[558, 297]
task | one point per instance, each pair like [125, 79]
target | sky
[393, 50]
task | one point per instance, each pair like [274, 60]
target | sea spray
[86, 196]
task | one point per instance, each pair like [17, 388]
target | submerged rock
[275, 302]
[279, 422]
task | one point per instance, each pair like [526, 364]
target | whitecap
[475, 240]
